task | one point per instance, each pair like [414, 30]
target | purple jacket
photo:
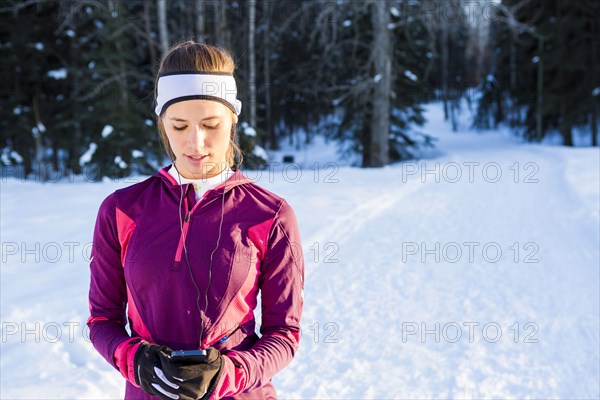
[139, 275]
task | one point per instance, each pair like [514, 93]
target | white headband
[180, 86]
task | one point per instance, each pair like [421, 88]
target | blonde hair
[192, 56]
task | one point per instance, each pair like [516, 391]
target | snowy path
[373, 283]
[544, 297]
[370, 293]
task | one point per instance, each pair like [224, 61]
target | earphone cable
[186, 257]
[211, 260]
[188, 261]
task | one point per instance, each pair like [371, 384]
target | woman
[182, 255]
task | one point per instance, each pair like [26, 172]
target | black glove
[148, 372]
[196, 380]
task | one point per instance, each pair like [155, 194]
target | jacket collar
[234, 180]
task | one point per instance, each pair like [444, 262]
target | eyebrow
[185, 120]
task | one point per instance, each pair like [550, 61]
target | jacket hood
[238, 178]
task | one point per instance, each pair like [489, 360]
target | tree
[382, 65]
[557, 56]
[161, 8]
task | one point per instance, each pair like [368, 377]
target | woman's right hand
[148, 364]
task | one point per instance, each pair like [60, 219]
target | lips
[197, 159]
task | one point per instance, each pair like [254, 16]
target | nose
[197, 137]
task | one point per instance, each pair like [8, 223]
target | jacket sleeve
[281, 282]
[108, 294]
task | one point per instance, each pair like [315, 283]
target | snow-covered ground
[474, 274]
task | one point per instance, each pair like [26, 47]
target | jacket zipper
[186, 222]
[179, 251]
[183, 235]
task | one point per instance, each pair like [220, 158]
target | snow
[248, 130]
[406, 294]
[137, 153]
[39, 46]
[119, 161]
[107, 130]
[87, 156]
[596, 91]
[60, 73]
[395, 12]
[410, 75]
[17, 110]
[535, 59]
[319, 154]
[347, 23]
[16, 156]
[260, 152]
[377, 78]
[4, 156]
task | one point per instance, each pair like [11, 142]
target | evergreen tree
[556, 71]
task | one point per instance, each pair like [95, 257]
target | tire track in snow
[326, 302]
[344, 226]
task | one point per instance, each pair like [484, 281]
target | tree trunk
[539, 91]
[122, 81]
[185, 23]
[220, 23]
[513, 77]
[444, 66]
[366, 150]
[55, 149]
[39, 150]
[272, 140]
[381, 55]
[594, 124]
[564, 112]
[76, 141]
[252, 61]
[566, 127]
[200, 29]
[24, 145]
[163, 33]
[148, 30]
[595, 79]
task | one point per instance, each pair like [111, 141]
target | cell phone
[189, 356]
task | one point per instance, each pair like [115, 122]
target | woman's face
[199, 135]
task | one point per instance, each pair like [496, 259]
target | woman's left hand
[196, 380]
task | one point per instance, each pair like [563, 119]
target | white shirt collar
[202, 185]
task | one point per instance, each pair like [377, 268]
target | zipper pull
[187, 217]
[224, 339]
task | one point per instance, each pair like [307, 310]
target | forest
[78, 76]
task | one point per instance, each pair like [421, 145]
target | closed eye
[179, 128]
